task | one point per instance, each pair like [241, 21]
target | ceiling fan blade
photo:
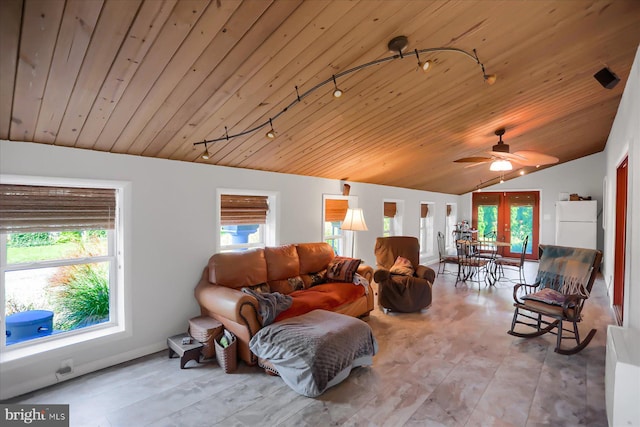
[533, 158]
[473, 160]
[506, 156]
[473, 165]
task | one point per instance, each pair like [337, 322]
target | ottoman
[316, 350]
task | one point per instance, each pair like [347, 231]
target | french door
[510, 217]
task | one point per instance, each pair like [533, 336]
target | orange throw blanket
[327, 297]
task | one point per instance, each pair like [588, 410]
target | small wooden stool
[185, 351]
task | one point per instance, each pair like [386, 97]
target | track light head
[490, 79]
[205, 155]
[425, 66]
[337, 92]
[272, 133]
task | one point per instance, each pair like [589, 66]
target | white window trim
[345, 239]
[396, 223]
[270, 228]
[427, 247]
[450, 222]
[119, 324]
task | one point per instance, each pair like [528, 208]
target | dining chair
[513, 263]
[444, 257]
[470, 265]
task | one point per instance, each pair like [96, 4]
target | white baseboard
[13, 390]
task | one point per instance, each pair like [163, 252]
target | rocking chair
[564, 281]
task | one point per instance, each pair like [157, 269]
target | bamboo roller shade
[335, 209]
[243, 210]
[390, 209]
[38, 209]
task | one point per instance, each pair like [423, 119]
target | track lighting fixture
[272, 133]
[397, 44]
[337, 92]
[424, 66]
[205, 155]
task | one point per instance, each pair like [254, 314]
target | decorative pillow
[402, 266]
[547, 296]
[342, 269]
[262, 288]
[286, 286]
[313, 279]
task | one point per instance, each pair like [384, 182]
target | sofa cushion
[342, 269]
[238, 269]
[327, 297]
[282, 262]
[314, 257]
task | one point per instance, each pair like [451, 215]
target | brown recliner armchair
[398, 292]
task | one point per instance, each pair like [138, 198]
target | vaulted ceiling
[153, 77]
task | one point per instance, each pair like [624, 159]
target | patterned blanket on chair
[565, 269]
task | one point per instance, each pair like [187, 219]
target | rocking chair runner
[564, 281]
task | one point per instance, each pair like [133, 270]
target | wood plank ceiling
[152, 77]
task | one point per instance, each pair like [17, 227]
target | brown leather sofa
[219, 290]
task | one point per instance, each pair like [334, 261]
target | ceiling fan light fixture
[500, 165]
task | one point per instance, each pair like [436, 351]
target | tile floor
[450, 365]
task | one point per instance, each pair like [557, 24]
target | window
[392, 219]
[450, 224]
[426, 229]
[59, 262]
[335, 208]
[246, 221]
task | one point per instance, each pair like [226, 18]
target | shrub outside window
[58, 263]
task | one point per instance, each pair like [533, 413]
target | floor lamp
[354, 221]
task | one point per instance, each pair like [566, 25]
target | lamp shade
[354, 220]
[501, 165]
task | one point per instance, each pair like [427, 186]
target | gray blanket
[271, 304]
[315, 351]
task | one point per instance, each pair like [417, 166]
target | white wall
[170, 236]
[624, 140]
[583, 176]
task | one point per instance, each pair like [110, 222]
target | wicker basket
[227, 356]
[205, 329]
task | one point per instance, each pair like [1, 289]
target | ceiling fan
[501, 159]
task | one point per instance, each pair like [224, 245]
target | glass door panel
[512, 215]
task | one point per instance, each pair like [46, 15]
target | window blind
[424, 210]
[390, 209]
[243, 210]
[449, 209]
[335, 209]
[38, 209]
